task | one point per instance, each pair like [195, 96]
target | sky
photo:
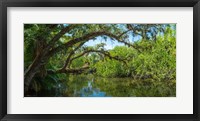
[110, 44]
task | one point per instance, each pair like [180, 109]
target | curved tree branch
[134, 29]
[105, 53]
[67, 62]
[49, 51]
[59, 35]
[89, 37]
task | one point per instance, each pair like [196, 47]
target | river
[91, 86]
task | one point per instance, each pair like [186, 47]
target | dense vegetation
[54, 52]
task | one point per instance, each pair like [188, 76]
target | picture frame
[4, 4]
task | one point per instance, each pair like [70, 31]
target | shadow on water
[91, 86]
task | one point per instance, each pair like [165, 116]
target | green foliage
[151, 60]
[109, 68]
[159, 61]
[114, 68]
[78, 62]
[156, 59]
[29, 40]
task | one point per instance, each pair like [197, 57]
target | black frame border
[99, 3]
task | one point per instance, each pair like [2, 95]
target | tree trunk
[31, 71]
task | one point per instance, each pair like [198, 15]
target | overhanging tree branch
[68, 70]
[49, 51]
[89, 37]
[70, 55]
[59, 35]
[105, 53]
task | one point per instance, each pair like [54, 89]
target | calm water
[91, 86]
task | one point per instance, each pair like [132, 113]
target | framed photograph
[99, 60]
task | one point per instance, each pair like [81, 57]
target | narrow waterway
[91, 86]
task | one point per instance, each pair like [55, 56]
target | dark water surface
[91, 86]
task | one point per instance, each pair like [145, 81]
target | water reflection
[89, 91]
[91, 86]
